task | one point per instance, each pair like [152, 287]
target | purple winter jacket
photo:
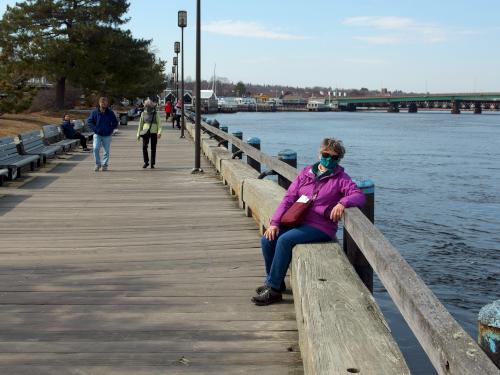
[335, 188]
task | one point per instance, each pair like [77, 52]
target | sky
[424, 45]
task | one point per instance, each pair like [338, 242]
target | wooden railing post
[254, 142]
[238, 134]
[354, 254]
[225, 130]
[290, 157]
[489, 331]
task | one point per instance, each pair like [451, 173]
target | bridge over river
[135, 272]
[456, 102]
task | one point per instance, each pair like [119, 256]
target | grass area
[14, 124]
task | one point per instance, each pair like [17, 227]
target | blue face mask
[328, 162]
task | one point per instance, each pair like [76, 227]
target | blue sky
[441, 46]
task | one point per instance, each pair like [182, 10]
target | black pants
[167, 115]
[178, 121]
[83, 140]
[145, 143]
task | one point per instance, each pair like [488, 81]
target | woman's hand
[272, 232]
[159, 136]
[337, 212]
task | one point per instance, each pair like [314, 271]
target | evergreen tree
[53, 38]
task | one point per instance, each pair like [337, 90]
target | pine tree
[53, 38]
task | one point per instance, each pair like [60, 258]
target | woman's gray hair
[333, 144]
[149, 103]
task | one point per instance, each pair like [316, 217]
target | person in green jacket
[149, 129]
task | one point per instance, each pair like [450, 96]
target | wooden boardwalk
[135, 271]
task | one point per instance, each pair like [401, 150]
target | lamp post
[197, 147]
[177, 49]
[182, 23]
[176, 63]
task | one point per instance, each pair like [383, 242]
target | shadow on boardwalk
[135, 272]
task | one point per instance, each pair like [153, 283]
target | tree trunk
[60, 91]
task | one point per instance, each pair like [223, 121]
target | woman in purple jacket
[334, 191]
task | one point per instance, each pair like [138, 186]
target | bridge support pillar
[393, 107]
[455, 107]
[351, 107]
[477, 108]
[412, 108]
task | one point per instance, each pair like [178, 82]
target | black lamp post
[197, 147]
[177, 49]
[175, 62]
[182, 23]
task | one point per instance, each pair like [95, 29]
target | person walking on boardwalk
[149, 129]
[70, 133]
[102, 121]
[178, 113]
[168, 110]
[311, 207]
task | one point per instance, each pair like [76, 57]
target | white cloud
[247, 30]
[409, 30]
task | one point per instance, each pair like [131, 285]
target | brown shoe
[267, 297]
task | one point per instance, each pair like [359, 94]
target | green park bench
[11, 160]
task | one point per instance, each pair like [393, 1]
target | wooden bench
[32, 144]
[12, 160]
[53, 135]
[82, 128]
[4, 174]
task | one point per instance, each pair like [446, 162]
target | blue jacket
[102, 123]
[68, 129]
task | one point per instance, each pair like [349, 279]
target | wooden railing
[450, 349]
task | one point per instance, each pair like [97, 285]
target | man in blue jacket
[102, 121]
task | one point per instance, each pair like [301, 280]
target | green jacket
[155, 126]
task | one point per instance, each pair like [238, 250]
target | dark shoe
[152, 166]
[145, 165]
[261, 288]
[267, 297]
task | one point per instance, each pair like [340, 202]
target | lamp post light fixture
[182, 23]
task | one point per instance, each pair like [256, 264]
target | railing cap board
[332, 302]
[450, 349]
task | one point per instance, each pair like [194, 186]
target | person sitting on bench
[71, 133]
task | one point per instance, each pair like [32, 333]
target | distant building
[208, 101]
[317, 104]
[293, 101]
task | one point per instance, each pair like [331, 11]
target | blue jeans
[105, 141]
[278, 253]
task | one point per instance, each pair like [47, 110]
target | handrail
[272, 162]
[450, 349]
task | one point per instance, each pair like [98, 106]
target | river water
[437, 195]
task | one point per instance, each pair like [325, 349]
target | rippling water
[437, 180]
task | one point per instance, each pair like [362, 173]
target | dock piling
[254, 142]
[238, 134]
[354, 254]
[489, 331]
[290, 157]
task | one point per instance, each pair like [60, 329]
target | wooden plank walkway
[135, 271]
